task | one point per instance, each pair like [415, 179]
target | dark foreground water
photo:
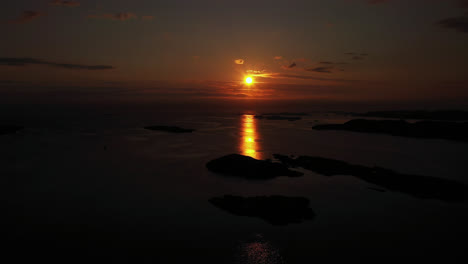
[95, 186]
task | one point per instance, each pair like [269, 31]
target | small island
[276, 210]
[170, 129]
[9, 129]
[423, 129]
[250, 168]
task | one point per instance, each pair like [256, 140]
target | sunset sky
[389, 50]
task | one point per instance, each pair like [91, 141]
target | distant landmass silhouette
[423, 129]
[170, 129]
[446, 115]
[278, 117]
[287, 114]
[276, 210]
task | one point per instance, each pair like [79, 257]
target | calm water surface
[100, 185]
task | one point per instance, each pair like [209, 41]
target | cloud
[82, 67]
[320, 69]
[357, 56]
[278, 57]
[255, 72]
[457, 23]
[306, 77]
[147, 18]
[239, 61]
[26, 17]
[28, 61]
[461, 3]
[332, 63]
[374, 2]
[290, 66]
[19, 61]
[65, 3]
[123, 16]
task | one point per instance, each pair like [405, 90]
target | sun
[248, 80]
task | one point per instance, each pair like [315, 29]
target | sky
[333, 50]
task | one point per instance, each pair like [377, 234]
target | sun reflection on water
[258, 251]
[249, 137]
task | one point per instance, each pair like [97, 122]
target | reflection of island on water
[249, 136]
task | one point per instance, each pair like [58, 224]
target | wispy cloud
[239, 61]
[357, 56]
[320, 69]
[123, 16]
[457, 23]
[65, 3]
[32, 61]
[374, 2]
[332, 63]
[278, 57]
[255, 72]
[289, 66]
[27, 16]
[305, 77]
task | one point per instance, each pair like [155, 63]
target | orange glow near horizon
[248, 141]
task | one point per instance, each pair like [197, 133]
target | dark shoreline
[440, 115]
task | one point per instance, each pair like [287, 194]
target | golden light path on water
[249, 145]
